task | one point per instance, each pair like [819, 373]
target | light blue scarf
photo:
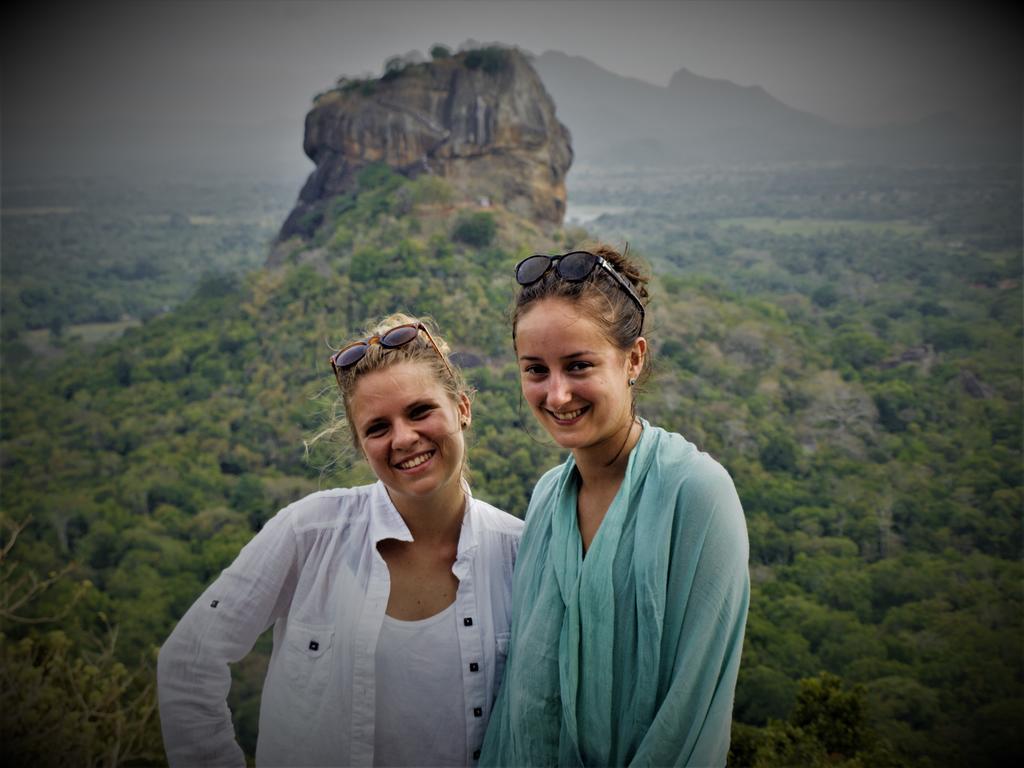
[630, 655]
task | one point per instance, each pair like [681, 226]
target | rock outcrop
[481, 120]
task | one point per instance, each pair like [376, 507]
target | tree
[61, 704]
[476, 229]
[491, 59]
[393, 68]
[827, 727]
[833, 714]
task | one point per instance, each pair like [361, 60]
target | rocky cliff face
[483, 122]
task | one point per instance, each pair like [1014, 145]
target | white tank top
[421, 719]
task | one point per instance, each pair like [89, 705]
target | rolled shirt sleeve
[220, 628]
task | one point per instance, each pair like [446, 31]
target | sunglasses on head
[396, 337]
[574, 267]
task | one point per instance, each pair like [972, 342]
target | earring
[632, 382]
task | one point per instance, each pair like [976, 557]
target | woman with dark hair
[631, 587]
[390, 602]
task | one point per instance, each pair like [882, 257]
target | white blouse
[314, 572]
[418, 708]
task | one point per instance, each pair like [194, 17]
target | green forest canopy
[860, 381]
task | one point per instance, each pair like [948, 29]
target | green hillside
[862, 383]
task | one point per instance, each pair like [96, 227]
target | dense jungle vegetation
[847, 342]
[96, 251]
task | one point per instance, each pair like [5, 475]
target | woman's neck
[436, 519]
[606, 464]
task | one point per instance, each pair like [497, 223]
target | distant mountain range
[614, 120]
[697, 120]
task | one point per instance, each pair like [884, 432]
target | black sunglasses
[396, 337]
[574, 267]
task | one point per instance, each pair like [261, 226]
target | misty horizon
[181, 89]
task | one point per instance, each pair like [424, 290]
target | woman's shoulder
[489, 517]
[702, 492]
[545, 491]
[329, 508]
[551, 479]
[679, 462]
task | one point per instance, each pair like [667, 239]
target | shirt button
[314, 645]
[478, 712]
[474, 667]
[476, 755]
[214, 603]
[467, 622]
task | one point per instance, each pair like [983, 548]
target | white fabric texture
[314, 573]
[418, 706]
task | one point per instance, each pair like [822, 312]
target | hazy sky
[243, 73]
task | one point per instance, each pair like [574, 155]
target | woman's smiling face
[410, 431]
[574, 379]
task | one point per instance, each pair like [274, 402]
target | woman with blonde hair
[390, 602]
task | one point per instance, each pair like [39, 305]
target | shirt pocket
[308, 651]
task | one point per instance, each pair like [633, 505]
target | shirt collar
[386, 522]
[468, 538]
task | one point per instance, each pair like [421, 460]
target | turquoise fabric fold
[628, 656]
